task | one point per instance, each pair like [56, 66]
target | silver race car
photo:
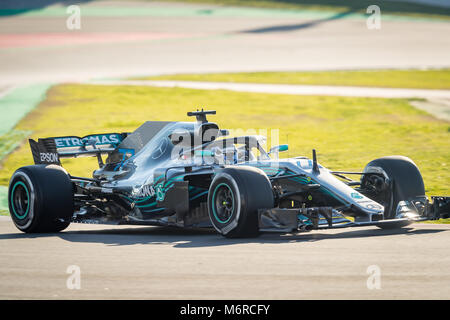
[192, 174]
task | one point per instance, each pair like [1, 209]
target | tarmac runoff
[111, 9]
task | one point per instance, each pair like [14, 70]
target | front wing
[291, 220]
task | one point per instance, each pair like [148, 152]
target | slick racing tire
[40, 199]
[405, 183]
[235, 195]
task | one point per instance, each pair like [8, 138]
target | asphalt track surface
[152, 40]
[161, 263]
[166, 263]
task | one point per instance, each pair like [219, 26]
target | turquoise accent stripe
[213, 206]
[154, 210]
[270, 171]
[326, 191]
[305, 181]
[143, 200]
[168, 187]
[305, 220]
[174, 179]
[20, 183]
[199, 195]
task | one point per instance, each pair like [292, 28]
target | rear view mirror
[280, 148]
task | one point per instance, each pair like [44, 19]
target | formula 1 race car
[193, 174]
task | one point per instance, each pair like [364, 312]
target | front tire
[40, 199]
[235, 195]
[404, 183]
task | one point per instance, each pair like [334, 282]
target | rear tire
[405, 183]
[235, 195]
[40, 199]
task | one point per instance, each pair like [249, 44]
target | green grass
[423, 79]
[3, 200]
[11, 140]
[444, 221]
[348, 6]
[347, 132]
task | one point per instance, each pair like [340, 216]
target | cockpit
[228, 151]
[161, 144]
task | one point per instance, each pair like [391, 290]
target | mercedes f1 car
[193, 174]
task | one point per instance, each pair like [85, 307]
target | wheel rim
[20, 200]
[223, 203]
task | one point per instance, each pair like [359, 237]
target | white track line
[345, 91]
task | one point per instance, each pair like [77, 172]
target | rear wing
[51, 150]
